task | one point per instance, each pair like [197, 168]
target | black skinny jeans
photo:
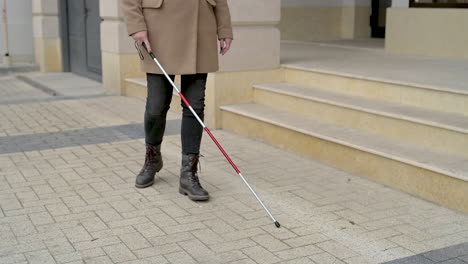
[158, 103]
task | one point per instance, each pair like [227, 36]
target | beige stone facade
[323, 20]
[428, 32]
[47, 41]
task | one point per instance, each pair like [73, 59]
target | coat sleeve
[133, 16]
[223, 19]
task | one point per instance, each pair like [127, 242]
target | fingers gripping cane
[207, 130]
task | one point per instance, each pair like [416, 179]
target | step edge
[363, 109]
[348, 144]
[375, 79]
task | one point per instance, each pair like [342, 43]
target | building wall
[20, 31]
[428, 32]
[324, 19]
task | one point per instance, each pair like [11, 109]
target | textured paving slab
[13, 89]
[76, 203]
[64, 83]
[457, 254]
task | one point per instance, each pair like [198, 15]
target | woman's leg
[193, 88]
[157, 104]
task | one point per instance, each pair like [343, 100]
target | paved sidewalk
[67, 195]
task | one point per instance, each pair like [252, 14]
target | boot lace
[194, 169]
[149, 160]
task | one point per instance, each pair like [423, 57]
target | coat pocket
[151, 3]
[212, 2]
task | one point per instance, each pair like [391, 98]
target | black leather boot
[189, 182]
[153, 164]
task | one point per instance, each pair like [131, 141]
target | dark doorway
[80, 22]
[378, 17]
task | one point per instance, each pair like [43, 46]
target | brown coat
[183, 33]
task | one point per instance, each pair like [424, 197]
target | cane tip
[277, 224]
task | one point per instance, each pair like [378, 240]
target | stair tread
[451, 121]
[448, 164]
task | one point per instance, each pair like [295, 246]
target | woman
[183, 34]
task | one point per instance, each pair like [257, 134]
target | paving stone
[358, 260]
[325, 258]
[270, 243]
[162, 220]
[279, 233]
[122, 206]
[119, 253]
[180, 257]
[260, 255]
[135, 241]
[207, 236]
[219, 226]
[171, 238]
[157, 250]
[21, 248]
[119, 231]
[447, 253]
[41, 218]
[298, 252]
[183, 228]
[230, 256]
[200, 252]
[59, 246]
[127, 222]
[300, 261]
[57, 209]
[93, 224]
[95, 243]
[77, 234]
[78, 256]
[246, 233]
[412, 260]
[306, 240]
[41, 256]
[243, 261]
[71, 217]
[464, 258]
[23, 228]
[157, 260]
[453, 261]
[394, 253]
[11, 259]
[99, 260]
[149, 230]
[25, 211]
[233, 245]
[336, 249]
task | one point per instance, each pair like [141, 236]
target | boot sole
[144, 185]
[194, 197]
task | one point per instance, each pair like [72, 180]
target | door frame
[63, 24]
[65, 41]
[376, 30]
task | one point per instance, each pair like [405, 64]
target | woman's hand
[225, 45]
[142, 37]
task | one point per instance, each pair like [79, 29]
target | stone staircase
[410, 137]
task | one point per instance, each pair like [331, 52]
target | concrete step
[433, 97]
[136, 87]
[433, 175]
[443, 131]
